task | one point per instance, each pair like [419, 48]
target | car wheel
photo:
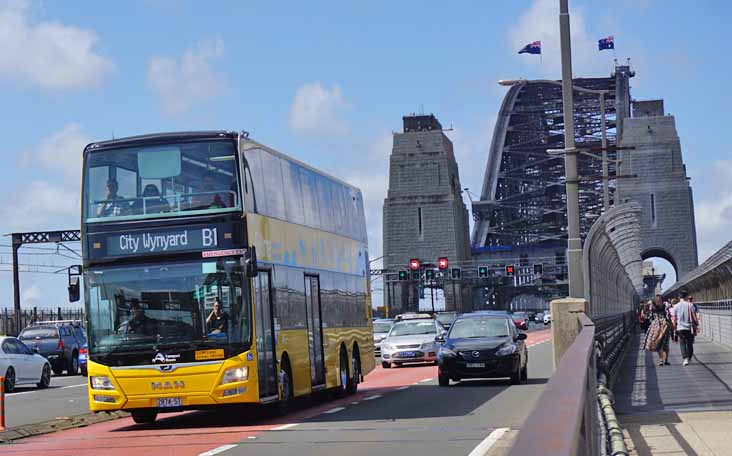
[10, 380]
[285, 390]
[144, 416]
[45, 377]
[74, 368]
[83, 371]
[516, 376]
[385, 365]
[525, 372]
[443, 380]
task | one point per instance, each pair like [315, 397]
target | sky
[326, 82]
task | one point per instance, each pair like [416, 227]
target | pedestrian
[659, 332]
[686, 325]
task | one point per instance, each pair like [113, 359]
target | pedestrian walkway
[676, 410]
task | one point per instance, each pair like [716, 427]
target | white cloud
[317, 109]
[61, 151]
[713, 216]
[51, 55]
[183, 83]
[41, 205]
[541, 23]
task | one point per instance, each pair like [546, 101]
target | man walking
[685, 322]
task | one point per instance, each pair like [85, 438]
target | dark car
[482, 346]
[58, 341]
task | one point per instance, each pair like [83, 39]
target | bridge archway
[664, 263]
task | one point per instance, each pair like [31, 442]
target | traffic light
[403, 275]
[429, 274]
[510, 270]
[415, 275]
[414, 264]
[482, 271]
[538, 269]
[442, 263]
[456, 273]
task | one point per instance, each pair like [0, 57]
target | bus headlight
[101, 383]
[235, 374]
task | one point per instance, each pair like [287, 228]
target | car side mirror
[440, 338]
[250, 262]
[521, 336]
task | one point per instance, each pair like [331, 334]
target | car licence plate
[475, 365]
[167, 402]
[408, 354]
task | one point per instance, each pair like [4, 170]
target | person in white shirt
[685, 323]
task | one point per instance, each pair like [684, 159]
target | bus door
[266, 350]
[315, 330]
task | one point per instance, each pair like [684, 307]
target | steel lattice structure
[523, 200]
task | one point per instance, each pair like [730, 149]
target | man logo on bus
[159, 358]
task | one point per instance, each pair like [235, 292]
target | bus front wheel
[144, 416]
[285, 389]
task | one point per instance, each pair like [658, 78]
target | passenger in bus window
[218, 320]
[152, 204]
[207, 197]
[114, 204]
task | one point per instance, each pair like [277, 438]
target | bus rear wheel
[343, 374]
[285, 390]
[144, 416]
[355, 373]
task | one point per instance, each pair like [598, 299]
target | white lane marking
[9, 395]
[285, 426]
[334, 410]
[402, 388]
[218, 450]
[488, 442]
[425, 380]
[371, 398]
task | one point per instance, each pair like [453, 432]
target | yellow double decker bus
[219, 271]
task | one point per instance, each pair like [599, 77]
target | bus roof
[206, 134]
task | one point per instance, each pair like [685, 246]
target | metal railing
[574, 414]
[29, 316]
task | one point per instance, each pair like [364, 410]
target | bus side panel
[337, 337]
[294, 342]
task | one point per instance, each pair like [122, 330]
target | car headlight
[235, 374]
[101, 383]
[447, 352]
[508, 349]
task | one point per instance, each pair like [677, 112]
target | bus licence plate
[166, 402]
[476, 365]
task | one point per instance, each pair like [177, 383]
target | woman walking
[659, 332]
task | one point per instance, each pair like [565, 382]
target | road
[396, 410]
[65, 397]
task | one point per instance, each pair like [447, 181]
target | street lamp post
[574, 243]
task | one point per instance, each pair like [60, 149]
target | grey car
[381, 329]
[410, 341]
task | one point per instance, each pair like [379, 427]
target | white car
[547, 318]
[21, 366]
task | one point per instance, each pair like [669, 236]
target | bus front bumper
[188, 387]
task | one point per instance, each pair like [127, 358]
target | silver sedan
[411, 341]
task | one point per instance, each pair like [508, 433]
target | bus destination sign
[167, 241]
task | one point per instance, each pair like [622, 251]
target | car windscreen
[382, 327]
[446, 318]
[44, 332]
[412, 328]
[473, 328]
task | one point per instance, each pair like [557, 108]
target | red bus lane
[192, 433]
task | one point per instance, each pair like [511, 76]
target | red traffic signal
[509, 270]
[442, 263]
[414, 264]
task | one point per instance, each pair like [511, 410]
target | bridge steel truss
[523, 199]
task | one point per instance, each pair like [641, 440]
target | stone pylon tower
[661, 187]
[424, 213]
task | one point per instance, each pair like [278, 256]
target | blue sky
[326, 82]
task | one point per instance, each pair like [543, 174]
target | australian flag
[606, 43]
[531, 48]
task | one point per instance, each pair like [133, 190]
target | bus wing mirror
[250, 262]
[74, 283]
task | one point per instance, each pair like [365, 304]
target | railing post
[564, 324]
